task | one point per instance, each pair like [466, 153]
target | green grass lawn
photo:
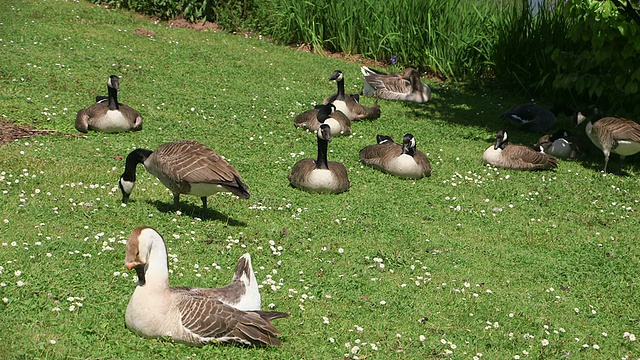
[471, 262]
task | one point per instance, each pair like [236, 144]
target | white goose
[193, 315]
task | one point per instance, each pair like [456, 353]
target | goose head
[337, 76]
[501, 140]
[381, 139]
[139, 247]
[114, 82]
[325, 111]
[127, 180]
[591, 113]
[409, 145]
[324, 132]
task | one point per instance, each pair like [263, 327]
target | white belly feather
[321, 179]
[336, 129]
[404, 166]
[113, 121]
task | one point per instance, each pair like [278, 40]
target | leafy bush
[526, 37]
[601, 63]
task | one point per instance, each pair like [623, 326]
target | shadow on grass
[196, 212]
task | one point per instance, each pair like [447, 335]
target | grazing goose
[193, 315]
[405, 87]
[185, 167]
[320, 176]
[610, 134]
[530, 117]
[107, 115]
[518, 157]
[561, 144]
[312, 119]
[349, 104]
[404, 161]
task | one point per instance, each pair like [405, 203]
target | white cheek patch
[127, 186]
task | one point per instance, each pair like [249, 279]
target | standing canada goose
[530, 117]
[321, 175]
[313, 118]
[518, 157]
[349, 104]
[107, 115]
[610, 134]
[185, 167]
[404, 161]
[193, 315]
[561, 144]
[405, 87]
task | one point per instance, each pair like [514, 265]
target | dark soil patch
[10, 132]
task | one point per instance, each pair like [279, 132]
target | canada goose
[193, 315]
[530, 117]
[610, 134]
[561, 144]
[311, 120]
[320, 176]
[518, 157]
[349, 104]
[185, 167]
[108, 115]
[405, 87]
[404, 161]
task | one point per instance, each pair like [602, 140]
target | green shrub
[601, 63]
[446, 38]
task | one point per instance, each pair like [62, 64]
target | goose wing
[208, 319]
[524, 157]
[192, 162]
[391, 85]
[373, 155]
[619, 128]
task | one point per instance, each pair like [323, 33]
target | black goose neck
[322, 162]
[340, 95]
[112, 98]
[134, 158]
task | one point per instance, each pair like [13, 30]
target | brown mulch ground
[10, 132]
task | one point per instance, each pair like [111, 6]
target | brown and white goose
[193, 315]
[320, 175]
[312, 119]
[530, 117]
[562, 144]
[610, 134]
[518, 157]
[349, 104]
[402, 160]
[185, 167]
[405, 87]
[107, 115]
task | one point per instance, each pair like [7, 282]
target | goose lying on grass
[402, 160]
[405, 87]
[196, 316]
[530, 117]
[312, 119]
[349, 104]
[320, 175]
[518, 157]
[107, 115]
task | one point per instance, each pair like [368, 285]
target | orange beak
[130, 266]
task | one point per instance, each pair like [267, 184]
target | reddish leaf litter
[10, 132]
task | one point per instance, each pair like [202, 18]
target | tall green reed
[447, 38]
[525, 41]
